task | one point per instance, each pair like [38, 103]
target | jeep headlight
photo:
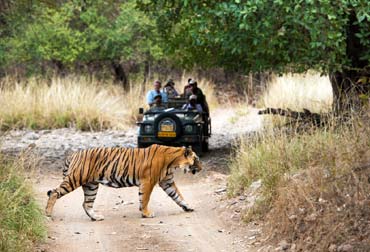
[189, 128]
[148, 128]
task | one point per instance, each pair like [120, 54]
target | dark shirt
[200, 96]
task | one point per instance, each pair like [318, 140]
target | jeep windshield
[181, 114]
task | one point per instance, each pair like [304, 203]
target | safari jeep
[174, 126]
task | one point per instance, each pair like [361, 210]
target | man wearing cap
[187, 89]
[155, 92]
[192, 104]
[157, 105]
[170, 90]
[201, 99]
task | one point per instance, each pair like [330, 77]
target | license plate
[166, 134]
[167, 127]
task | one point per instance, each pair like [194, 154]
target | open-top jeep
[175, 126]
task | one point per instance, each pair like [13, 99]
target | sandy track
[211, 227]
[124, 230]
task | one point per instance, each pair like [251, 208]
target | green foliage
[241, 35]
[79, 32]
[260, 35]
[21, 221]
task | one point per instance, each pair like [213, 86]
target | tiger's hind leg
[90, 191]
[168, 185]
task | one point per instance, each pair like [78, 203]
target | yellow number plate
[166, 134]
[166, 127]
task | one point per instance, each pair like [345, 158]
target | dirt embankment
[214, 225]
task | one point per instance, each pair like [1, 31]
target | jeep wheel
[198, 149]
[205, 145]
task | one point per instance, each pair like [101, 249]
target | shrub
[312, 183]
[21, 222]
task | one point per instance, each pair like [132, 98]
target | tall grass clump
[312, 183]
[21, 220]
[297, 91]
[79, 102]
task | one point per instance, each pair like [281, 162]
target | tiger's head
[193, 163]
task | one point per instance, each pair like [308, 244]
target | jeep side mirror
[141, 111]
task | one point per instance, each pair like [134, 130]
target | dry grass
[80, 102]
[298, 91]
[312, 194]
[310, 184]
[327, 202]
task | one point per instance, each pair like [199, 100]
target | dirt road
[123, 228]
[211, 227]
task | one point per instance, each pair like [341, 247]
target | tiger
[125, 167]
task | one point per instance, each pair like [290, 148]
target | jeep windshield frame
[182, 114]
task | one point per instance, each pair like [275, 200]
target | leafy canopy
[77, 31]
[256, 35]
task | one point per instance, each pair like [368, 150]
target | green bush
[21, 222]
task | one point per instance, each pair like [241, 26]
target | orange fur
[124, 167]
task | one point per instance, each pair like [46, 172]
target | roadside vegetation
[22, 222]
[314, 188]
[80, 102]
[299, 91]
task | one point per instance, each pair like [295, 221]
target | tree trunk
[350, 84]
[146, 73]
[120, 74]
[347, 90]
[59, 67]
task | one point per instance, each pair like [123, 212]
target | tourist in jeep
[192, 104]
[155, 92]
[170, 90]
[187, 89]
[201, 98]
[157, 105]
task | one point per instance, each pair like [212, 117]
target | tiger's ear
[188, 151]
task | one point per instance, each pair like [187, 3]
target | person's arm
[149, 98]
[175, 92]
[185, 91]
